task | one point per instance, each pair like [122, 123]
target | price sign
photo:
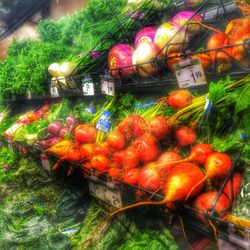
[108, 86]
[1, 117]
[54, 92]
[10, 144]
[28, 95]
[88, 87]
[104, 123]
[189, 73]
[107, 194]
[45, 162]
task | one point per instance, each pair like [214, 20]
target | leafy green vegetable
[26, 66]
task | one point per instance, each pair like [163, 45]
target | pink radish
[177, 185]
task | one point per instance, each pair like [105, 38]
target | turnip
[143, 56]
[159, 127]
[204, 202]
[71, 123]
[147, 34]
[55, 128]
[185, 136]
[137, 123]
[150, 178]
[217, 165]
[179, 99]
[177, 185]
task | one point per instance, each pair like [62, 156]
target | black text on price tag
[88, 88]
[107, 194]
[54, 91]
[189, 73]
[45, 162]
[108, 87]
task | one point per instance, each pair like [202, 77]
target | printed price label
[88, 88]
[45, 162]
[104, 123]
[108, 86]
[1, 117]
[10, 145]
[28, 95]
[54, 92]
[189, 73]
[109, 195]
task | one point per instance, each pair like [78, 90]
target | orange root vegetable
[131, 176]
[236, 29]
[61, 148]
[73, 154]
[165, 161]
[149, 177]
[87, 150]
[232, 187]
[116, 140]
[179, 99]
[204, 202]
[220, 57]
[177, 185]
[185, 136]
[100, 163]
[159, 127]
[199, 153]
[217, 165]
[204, 58]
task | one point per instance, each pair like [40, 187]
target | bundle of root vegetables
[146, 150]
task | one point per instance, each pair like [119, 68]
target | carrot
[177, 185]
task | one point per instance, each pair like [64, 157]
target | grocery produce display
[163, 134]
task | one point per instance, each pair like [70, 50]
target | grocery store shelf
[235, 234]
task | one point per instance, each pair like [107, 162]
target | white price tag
[54, 92]
[189, 73]
[106, 194]
[28, 95]
[88, 88]
[108, 87]
[45, 162]
[1, 117]
[10, 145]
